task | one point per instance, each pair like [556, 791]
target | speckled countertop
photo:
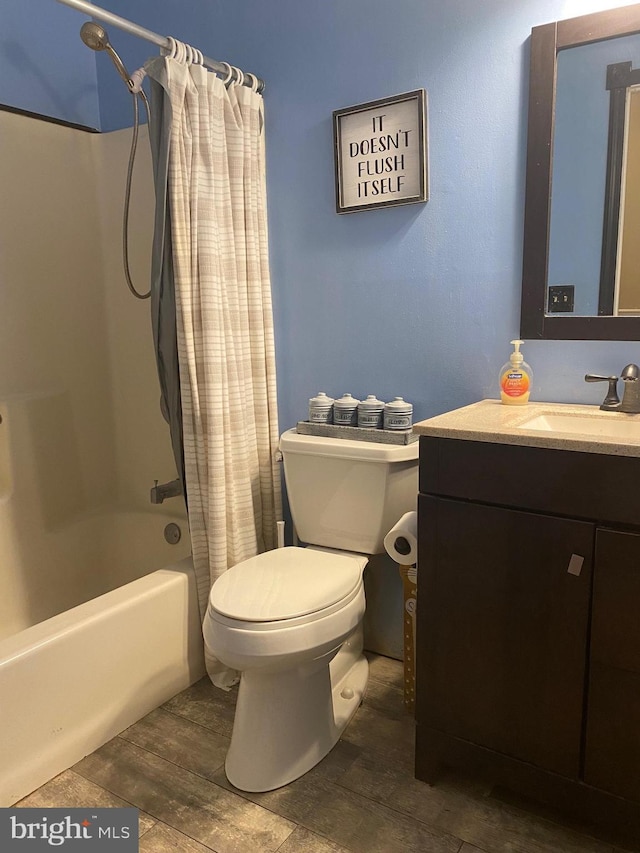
[490, 420]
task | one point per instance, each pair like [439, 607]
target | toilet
[290, 620]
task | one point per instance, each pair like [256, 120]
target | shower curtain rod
[141, 32]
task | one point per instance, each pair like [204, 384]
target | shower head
[95, 37]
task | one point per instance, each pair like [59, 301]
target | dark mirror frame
[546, 41]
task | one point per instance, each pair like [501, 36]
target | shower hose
[135, 94]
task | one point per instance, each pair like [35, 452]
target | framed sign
[381, 153]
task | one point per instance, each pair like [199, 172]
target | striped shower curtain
[212, 247]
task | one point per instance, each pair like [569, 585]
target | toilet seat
[292, 585]
[275, 625]
[278, 606]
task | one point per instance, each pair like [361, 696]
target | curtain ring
[199, 57]
[239, 76]
[180, 51]
[173, 47]
[254, 81]
[229, 76]
[190, 54]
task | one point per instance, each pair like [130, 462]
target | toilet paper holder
[401, 545]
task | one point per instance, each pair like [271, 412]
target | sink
[557, 426]
[605, 425]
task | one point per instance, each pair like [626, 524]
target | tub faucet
[631, 397]
[165, 490]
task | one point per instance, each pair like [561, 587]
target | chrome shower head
[95, 37]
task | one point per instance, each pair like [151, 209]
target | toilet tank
[348, 494]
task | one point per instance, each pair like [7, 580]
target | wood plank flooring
[362, 797]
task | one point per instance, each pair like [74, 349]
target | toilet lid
[285, 583]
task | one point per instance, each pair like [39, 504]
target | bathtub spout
[165, 490]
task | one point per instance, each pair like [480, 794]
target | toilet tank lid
[292, 441]
[285, 583]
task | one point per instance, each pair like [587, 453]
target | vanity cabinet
[528, 621]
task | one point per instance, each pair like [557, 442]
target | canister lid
[321, 400]
[346, 402]
[371, 403]
[398, 404]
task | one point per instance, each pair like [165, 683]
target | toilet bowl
[290, 620]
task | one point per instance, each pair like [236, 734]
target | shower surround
[92, 634]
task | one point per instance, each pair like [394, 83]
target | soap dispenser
[516, 379]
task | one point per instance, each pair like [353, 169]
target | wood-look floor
[362, 797]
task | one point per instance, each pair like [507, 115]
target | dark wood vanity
[528, 621]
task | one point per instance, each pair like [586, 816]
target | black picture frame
[384, 164]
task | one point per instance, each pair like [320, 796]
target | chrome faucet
[165, 490]
[630, 404]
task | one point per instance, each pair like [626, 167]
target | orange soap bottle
[516, 379]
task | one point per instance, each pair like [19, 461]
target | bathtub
[99, 618]
[67, 534]
[72, 682]
[45, 572]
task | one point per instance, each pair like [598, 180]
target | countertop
[490, 420]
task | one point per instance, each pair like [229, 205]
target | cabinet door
[502, 629]
[612, 758]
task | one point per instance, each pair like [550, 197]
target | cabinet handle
[575, 565]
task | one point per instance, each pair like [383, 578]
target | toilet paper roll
[401, 542]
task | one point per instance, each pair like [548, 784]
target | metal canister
[370, 413]
[321, 409]
[345, 411]
[398, 414]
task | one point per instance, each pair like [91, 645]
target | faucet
[631, 397]
[165, 490]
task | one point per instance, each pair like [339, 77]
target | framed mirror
[556, 272]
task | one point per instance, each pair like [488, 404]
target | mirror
[559, 180]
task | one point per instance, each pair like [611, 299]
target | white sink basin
[606, 425]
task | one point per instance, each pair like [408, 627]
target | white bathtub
[99, 619]
[45, 572]
[72, 682]
[66, 538]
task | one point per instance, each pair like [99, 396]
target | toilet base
[286, 722]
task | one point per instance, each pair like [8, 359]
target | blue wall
[44, 67]
[422, 300]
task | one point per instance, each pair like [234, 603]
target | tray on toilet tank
[381, 436]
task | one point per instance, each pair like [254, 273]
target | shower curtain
[211, 268]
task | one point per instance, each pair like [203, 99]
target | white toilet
[290, 620]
